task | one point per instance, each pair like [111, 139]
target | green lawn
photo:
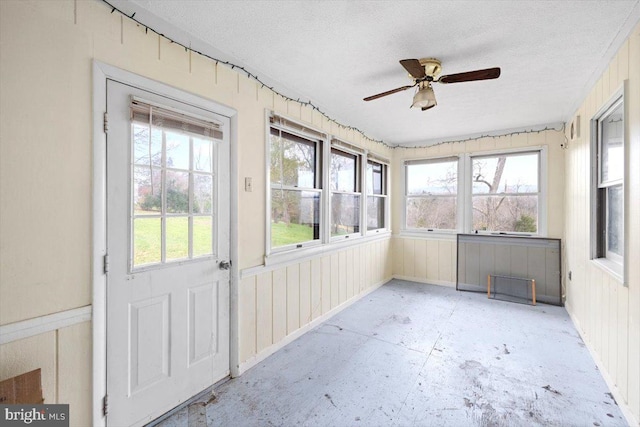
[147, 238]
[283, 234]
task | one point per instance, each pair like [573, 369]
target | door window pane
[202, 235]
[177, 150]
[202, 194]
[202, 155]
[147, 238]
[177, 192]
[146, 151]
[177, 237]
[147, 190]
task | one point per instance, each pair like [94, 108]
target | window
[173, 185]
[505, 192]
[376, 195]
[345, 193]
[609, 188]
[431, 194]
[296, 191]
[492, 193]
[316, 190]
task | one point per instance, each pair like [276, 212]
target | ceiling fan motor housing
[432, 67]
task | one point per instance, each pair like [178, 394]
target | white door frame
[102, 72]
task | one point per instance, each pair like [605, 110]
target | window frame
[162, 168]
[339, 149]
[327, 142]
[384, 195]
[614, 263]
[318, 144]
[458, 195]
[464, 211]
[540, 194]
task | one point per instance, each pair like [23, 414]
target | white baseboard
[253, 361]
[620, 400]
[427, 281]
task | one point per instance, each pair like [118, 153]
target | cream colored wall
[64, 356]
[47, 49]
[607, 313]
[433, 260]
[277, 303]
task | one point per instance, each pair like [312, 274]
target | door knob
[224, 265]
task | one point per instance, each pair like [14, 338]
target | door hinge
[105, 405]
[106, 122]
[105, 263]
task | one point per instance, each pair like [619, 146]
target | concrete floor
[410, 354]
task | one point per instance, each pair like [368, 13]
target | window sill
[612, 268]
[436, 234]
[285, 257]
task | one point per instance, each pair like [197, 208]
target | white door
[168, 252]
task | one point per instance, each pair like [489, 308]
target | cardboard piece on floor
[25, 388]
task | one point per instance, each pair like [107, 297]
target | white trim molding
[42, 324]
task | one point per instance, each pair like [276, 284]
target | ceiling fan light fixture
[424, 97]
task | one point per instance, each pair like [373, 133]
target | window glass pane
[612, 145]
[177, 192]
[431, 212]
[374, 178]
[345, 214]
[177, 237]
[615, 222]
[202, 236]
[432, 178]
[375, 212]
[506, 213]
[202, 155]
[147, 241]
[506, 174]
[202, 193]
[295, 217]
[147, 190]
[146, 151]
[293, 161]
[177, 150]
[343, 171]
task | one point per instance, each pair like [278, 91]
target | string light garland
[308, 103]
[492, 136]
[249, 74]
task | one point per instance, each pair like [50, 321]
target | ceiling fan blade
[469, 76]
[414, 68]
[389, 92]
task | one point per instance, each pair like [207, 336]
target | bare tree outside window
[505, 193]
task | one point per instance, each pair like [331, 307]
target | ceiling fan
[426, 71]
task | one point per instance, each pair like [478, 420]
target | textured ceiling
[334, 53]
